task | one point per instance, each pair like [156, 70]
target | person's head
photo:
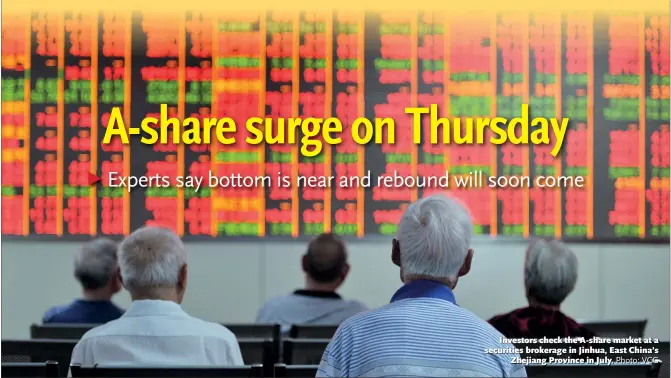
[95, 269]
[325, 263]
[550, 272]
[433, 241]
[152, 264]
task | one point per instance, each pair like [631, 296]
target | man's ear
[466, 267]
[117, 276]
[116, 281]
[345, 272]
[304, 263]
[183, 276]
[396, 252]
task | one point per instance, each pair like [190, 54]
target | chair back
[259, 352]
[259, 331]
[39, 350]
[255, 331]
[312, 331]
[614, 370]
[30, 369]
[304, 351]
[282, 370]
[665, 358]
[60, 331]
[618, 328]
[165, 371]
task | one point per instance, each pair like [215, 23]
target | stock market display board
[63, 73]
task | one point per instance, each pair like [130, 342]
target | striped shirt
[422, 332]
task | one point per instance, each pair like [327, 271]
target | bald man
[325, 267]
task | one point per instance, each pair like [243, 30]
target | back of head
[325, 259]
[550, 271]
[151, 258]
[96, 263]
[434, 237]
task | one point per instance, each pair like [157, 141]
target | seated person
[95, 269]
[155, 330]
[423, 332]
[325, 266]
[550, 274]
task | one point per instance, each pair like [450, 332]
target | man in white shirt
[155, 330]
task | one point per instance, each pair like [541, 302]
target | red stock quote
[63, 73]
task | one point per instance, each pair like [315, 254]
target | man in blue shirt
[96, 270]
[423, 332]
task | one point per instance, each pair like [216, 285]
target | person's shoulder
[356, 305]
[350, 327]
[52, 314]
[87, 342]
[483, 334]
[364, 318]
[107, 329]
[270, 307]
[211, 330]
[507, 316]
[576, 329]
[476, 321]
[473, 328]
[278, 300]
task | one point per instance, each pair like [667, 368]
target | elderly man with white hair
[550, 274]
[95, 269]
[423, 332]
[155, 330]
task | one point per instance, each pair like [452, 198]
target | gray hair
[550, 271]
[434, 237]
[96, 263]
[151, 257]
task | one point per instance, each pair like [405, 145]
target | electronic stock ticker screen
[63, 73]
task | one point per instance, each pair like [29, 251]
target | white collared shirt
[158, 333]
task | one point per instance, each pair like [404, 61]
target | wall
[229, 281]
